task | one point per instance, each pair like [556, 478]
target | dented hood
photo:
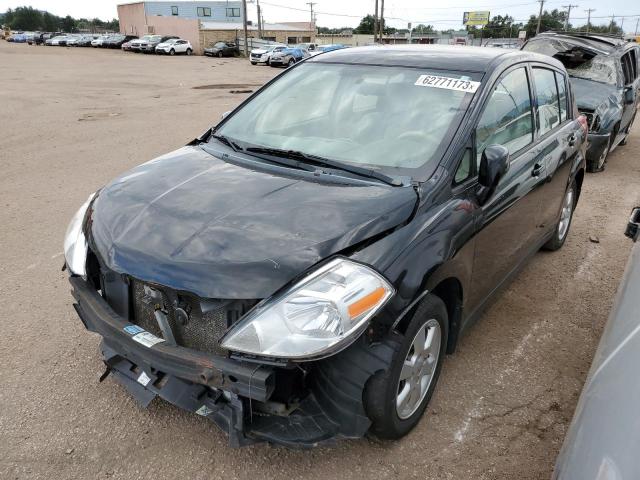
[591, 94]
[193, 222]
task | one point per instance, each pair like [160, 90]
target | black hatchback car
[605, 75]
[297, 273]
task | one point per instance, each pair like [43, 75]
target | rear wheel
[219, 54]
[189, 51]
[566, 215]
[290, 62]
[396, 399]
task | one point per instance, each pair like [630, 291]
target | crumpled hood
[591, 95]
[193, 222]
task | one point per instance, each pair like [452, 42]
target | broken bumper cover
[596, 145]
[222, 389]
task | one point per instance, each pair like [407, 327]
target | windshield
[359, 114]
[219, 44]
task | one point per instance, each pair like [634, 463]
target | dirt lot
[74, 118]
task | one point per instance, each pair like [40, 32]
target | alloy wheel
[418, 369]
[565, 215]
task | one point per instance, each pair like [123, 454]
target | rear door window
[547, 99]
[562, 95]
[507, 118]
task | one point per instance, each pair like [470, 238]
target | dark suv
[605, 75]
[297, 273]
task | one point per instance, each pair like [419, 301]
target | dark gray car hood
[191, 221]
[591, 95]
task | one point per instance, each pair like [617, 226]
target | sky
[338, 13]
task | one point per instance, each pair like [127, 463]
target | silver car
[603, 441]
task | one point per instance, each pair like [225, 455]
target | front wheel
[396, 399]
[254, 63]
[599, 164]
[172, 52]
[566, 215]
[189, 51]
[220, 55]
[290, 62]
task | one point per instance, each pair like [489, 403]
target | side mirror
[629, 95]
[494, 164]
[225, 115]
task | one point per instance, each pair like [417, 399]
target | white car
[175, 45]
[263, 55]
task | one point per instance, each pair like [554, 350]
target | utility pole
[566, 21]
[311, 4]
[611, 24]
[622, 25]
[259, 19]
[637, 23]
[375, 23]
[589, 10]
[540, 16]
[381, 22]
[244, 22]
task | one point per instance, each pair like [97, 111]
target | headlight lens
[316, 317]
[75, 243]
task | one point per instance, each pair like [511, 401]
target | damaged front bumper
[596, 145]
[228, 390]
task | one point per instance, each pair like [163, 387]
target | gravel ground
[74, 118]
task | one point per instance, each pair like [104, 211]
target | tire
[220, 55]
[254, 63]
[268, 62]
[172, 52]
[596, 165]
[561, 232]
[391, 417]
[189, 51]
[290, 62]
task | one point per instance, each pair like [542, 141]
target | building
[177, 18]
[203, 23]
[287, 33]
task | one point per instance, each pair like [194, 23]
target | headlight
[75, 243]
[319, 315]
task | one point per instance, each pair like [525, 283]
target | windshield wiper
[227, 141]
[325, 162]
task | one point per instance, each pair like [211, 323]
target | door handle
[572, 140]
[537, 170]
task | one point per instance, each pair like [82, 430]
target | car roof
[602, 42]
[438, 57]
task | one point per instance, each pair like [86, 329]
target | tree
[366, 25]
[553, 20]
[501, 27]
[609, 28]
[50, 23]
[25, 18]
[68, 24]
[422, 29]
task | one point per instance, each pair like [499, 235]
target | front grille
[202, 327]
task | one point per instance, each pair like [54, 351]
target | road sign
[522, 35]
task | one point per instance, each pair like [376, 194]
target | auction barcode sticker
[448, 83]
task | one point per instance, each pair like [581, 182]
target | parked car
[310, 47]
[126, 46]
[135, 44]
[175, 46]
[288, 57]
[80, 41]
[222, 49]
[326, 48]
[97, 42]
[18, 38]
[149, 46]
[116, 41]
[297, 273]
[55, 41]
[263, 55]
[603, 438]
[605, 74]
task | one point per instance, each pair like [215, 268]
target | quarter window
[507, 117]
[547, 96]
[233, 12]
[562, 95]
[174, 10]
